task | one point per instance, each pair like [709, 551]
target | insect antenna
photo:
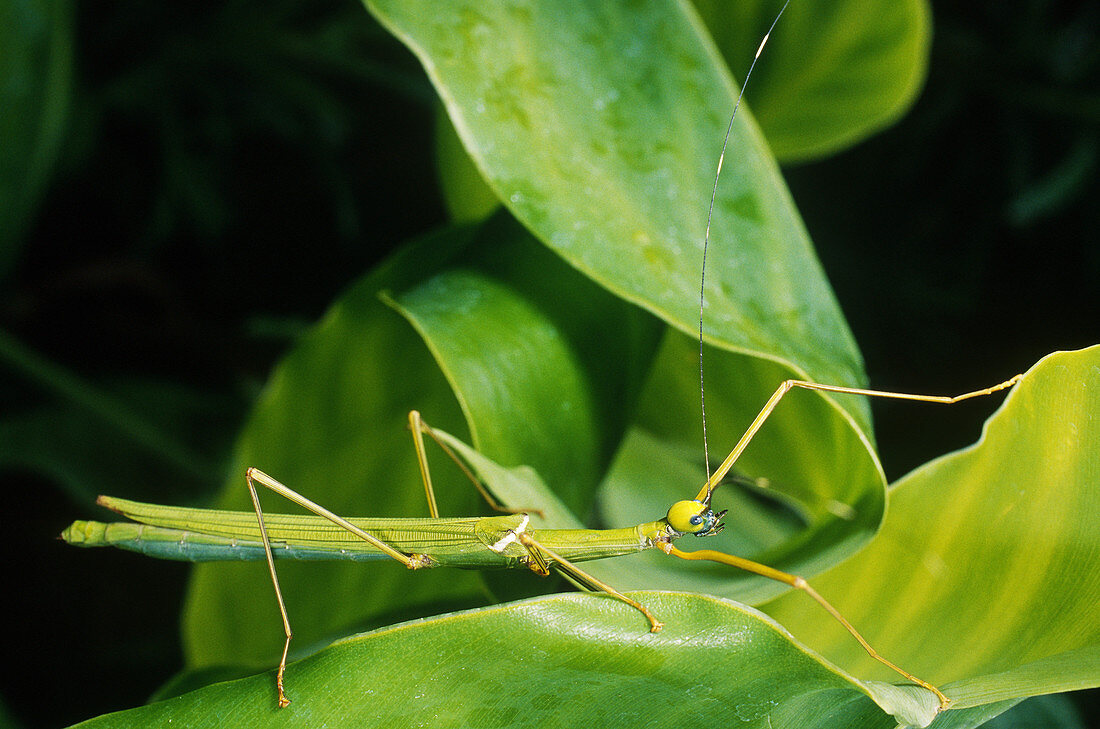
[706, 241]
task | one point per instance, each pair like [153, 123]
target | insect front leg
[800, 584]
[769, 406]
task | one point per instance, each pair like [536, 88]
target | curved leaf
[808, 457]
[565, 660]
[833, 73]
[545, 365]
[599, 128]
[556, 407]
[987, 569]
[917, 573]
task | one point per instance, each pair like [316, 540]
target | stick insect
[476, 542]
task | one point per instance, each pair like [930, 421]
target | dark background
[228, 169]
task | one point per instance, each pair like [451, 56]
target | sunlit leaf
[986, 574]
[566, 660]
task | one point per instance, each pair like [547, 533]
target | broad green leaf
[711, 649]
[36, 62]
[652, 465]
[987, 570]
[190, 680]
[652, 471]
[599, 128]
[832, 73]
[994, 600]
[553, 395]
[564, 660]
[332, 422]
[665, 470]
[555, 407]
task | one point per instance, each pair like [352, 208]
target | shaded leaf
[465, 193]
[331, 424]
[832, 74]
[592, 654]
[830, 481]
[1049, 712]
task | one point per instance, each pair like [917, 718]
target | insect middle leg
[419, 429]
[800, 584]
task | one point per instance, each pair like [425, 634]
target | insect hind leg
[254, 476]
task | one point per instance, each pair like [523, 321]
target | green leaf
[599, 128]
[594, 127]
[832, 74]
[565, 660]
[548, 349]
[36, 58]
[993, 599]
[331, 423]
[647, 477]
[591, 653]
[986, 574]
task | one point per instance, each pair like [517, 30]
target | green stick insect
[475, 543]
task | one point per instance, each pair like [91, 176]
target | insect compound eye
[688, 517]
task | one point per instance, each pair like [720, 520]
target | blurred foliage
[36, 48]
[200, 182]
